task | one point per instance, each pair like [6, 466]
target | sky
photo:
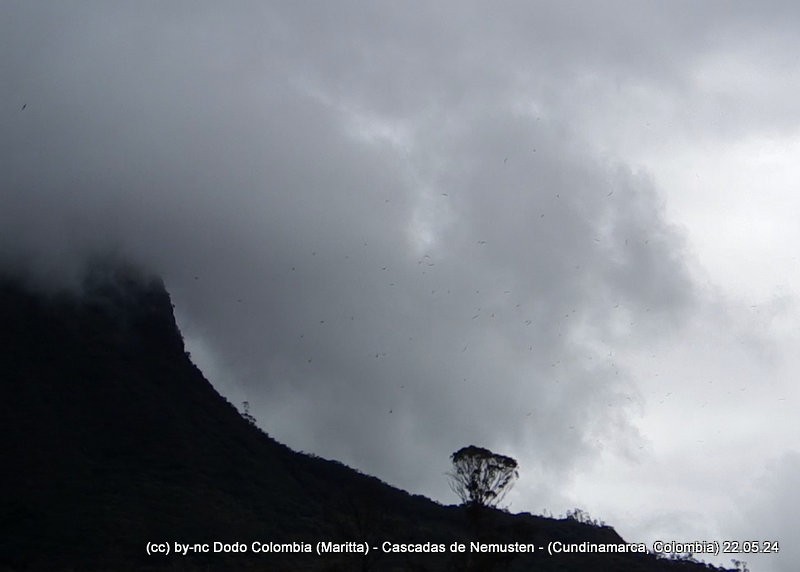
[565, 231]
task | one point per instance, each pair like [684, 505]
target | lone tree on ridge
[481, 478]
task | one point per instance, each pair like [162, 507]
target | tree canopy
[480, 477]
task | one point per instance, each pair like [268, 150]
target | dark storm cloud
[383, 221]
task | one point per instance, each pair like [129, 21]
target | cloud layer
[393, 231]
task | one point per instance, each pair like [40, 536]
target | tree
[246, 413]
[481, 478]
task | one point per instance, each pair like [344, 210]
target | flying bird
[24, 105]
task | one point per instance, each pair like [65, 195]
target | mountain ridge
[115, 439]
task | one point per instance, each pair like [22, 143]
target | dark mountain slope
[111, 438]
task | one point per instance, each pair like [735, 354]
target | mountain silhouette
[112, 439]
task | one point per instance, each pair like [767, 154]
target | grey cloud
[766, 518]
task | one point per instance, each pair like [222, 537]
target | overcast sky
[566, 231]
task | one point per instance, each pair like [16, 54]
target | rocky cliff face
[111, 438]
